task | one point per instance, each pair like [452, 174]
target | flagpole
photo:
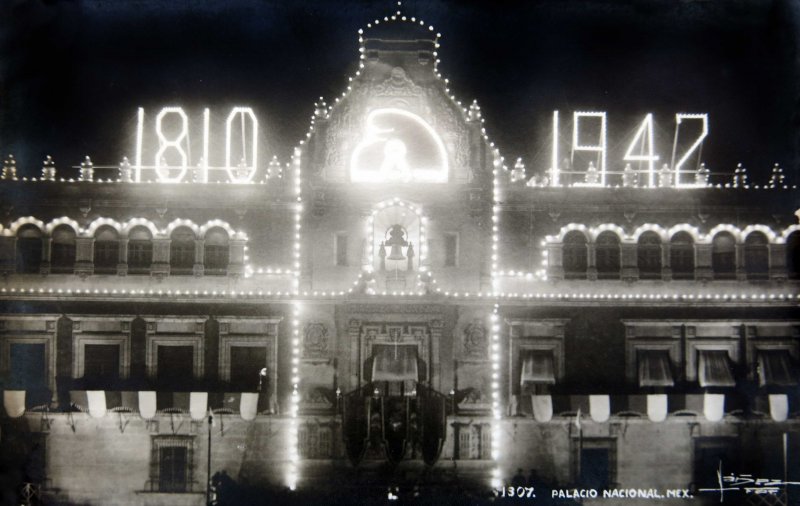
[208, 468]
[580, 443]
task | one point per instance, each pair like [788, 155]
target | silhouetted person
[519, 479]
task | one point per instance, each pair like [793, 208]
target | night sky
[72, 73]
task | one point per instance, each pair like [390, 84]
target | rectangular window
[106, 256]
[181, 257]
[712, 455]
[101, 362]
[216, 259]
[325, 443]
[172, 469]
[28, 368]
[175, 364]
[140, 255]
[62, 257]
[341, 250]
[597, 461]
[486, 442]
[464, 442]
[246, 364]
[450, 249]
[171, 464]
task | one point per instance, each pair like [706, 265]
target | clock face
[398, 146]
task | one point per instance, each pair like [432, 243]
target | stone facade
[506, 328]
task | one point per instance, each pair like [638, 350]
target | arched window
[181, 251]
[574, 257]
[140, 250]
[681, 256]
[723, 256]
[216, 252]
[648, 255]
[106, 250]
[62, 250]
[793, 255]
[29, 249]
[607, 255]
[756, 256]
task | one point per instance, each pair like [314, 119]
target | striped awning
[655, 369]
[713, 369]
[537, 367]
[775, 368]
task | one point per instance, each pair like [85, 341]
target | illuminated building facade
[394, 306]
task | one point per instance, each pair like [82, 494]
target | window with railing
[217, 252]
[793, 255]
[29, 249]
[574, 255]
[62, 250]
[681, 256]
[181, 251]
[756, 256]
[723, 256]
[171, 466]
[106, 250]
[607, 255]
[648, 255]
[140, 250]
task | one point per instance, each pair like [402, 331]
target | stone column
[555, 261]
[741, 272]
[199, 257]
[47, 243]
[64, 360]
[211, 355]
[160, 265]
[8, 254]
[436, 337]
[591, 262]
[353, 333]
[236, 259]
[629, 268]
[84, 256]
[122, 266]
[666, 267]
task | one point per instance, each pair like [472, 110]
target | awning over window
[713, 369]
[537, 367]
[655, 369]
[775, 368]
[394, 362]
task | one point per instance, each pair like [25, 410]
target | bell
[397, 253]
[396, 241]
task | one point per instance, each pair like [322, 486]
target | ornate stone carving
[475, 339]
[315, 340]
[398, 85]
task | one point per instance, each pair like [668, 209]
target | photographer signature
[748, 484]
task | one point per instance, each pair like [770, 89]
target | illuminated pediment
[397, 145]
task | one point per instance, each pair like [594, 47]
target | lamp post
[208, 466]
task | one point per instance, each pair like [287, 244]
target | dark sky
[72, 73]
